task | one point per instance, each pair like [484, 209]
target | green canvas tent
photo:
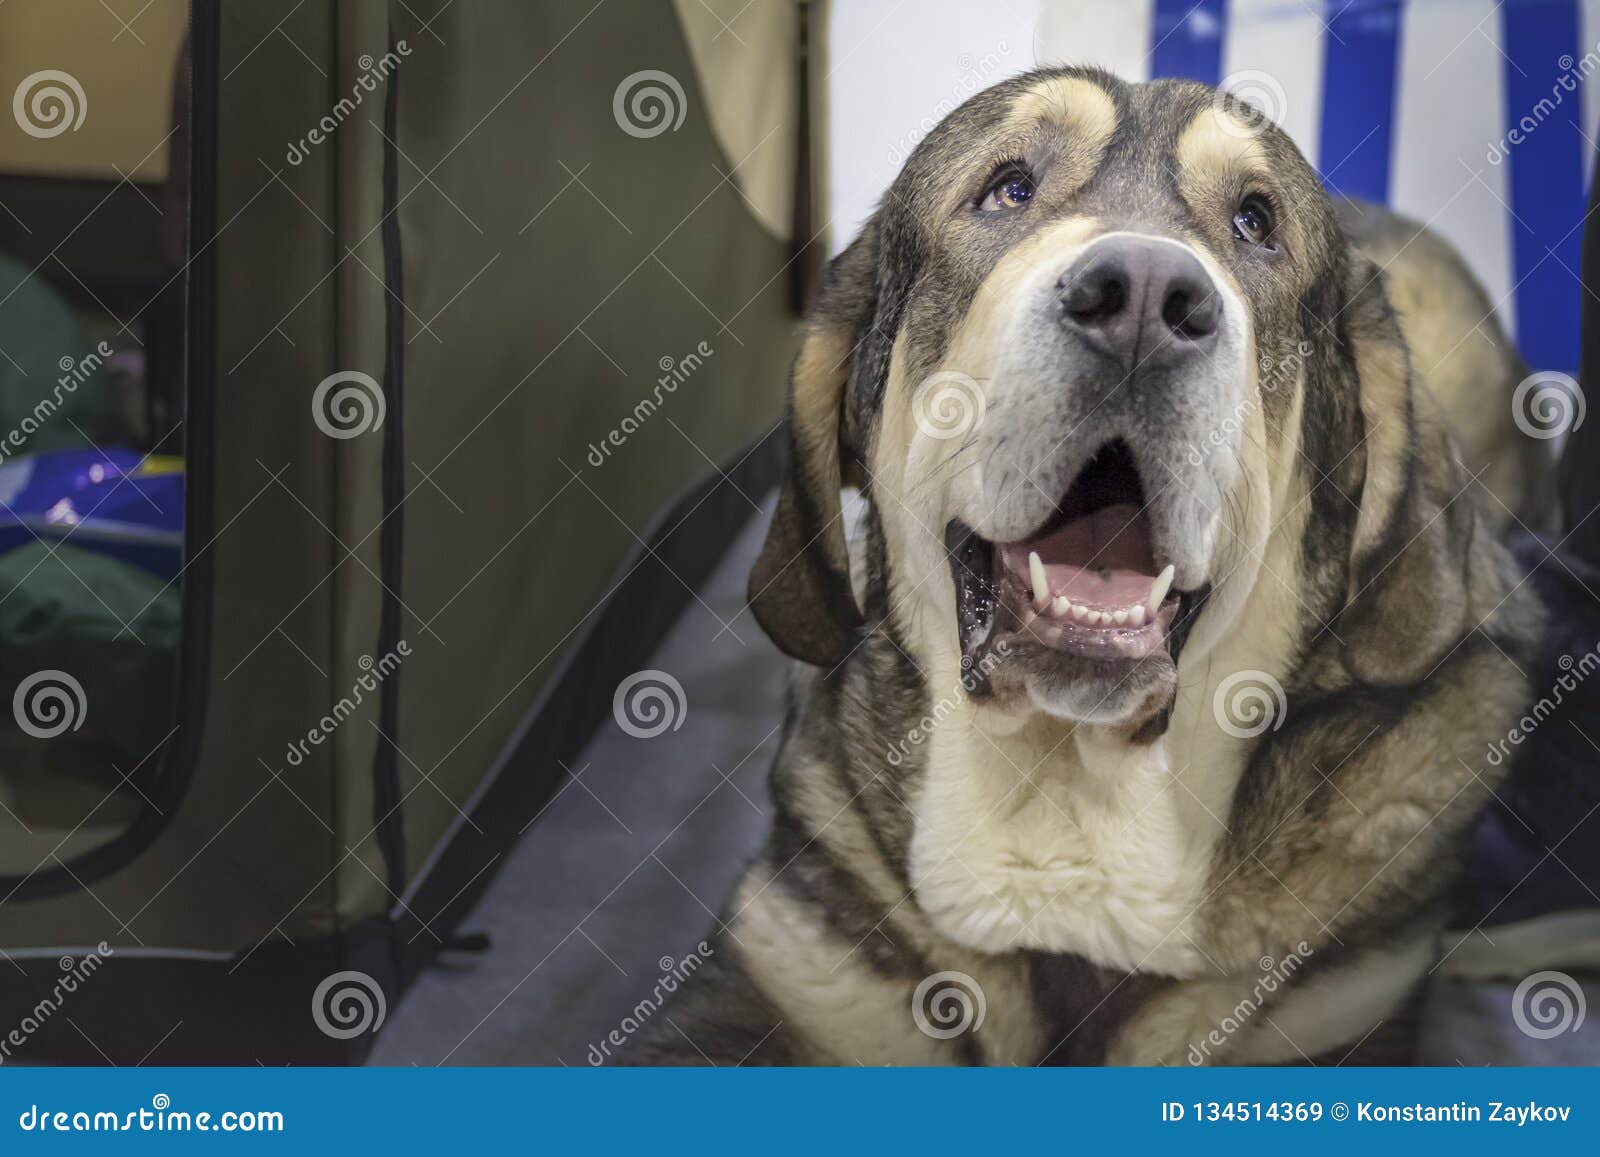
[487, 324]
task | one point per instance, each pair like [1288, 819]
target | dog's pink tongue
[1100, 560]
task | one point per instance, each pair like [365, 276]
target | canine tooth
[1159, 591]
[1041, 585]
[1060, 605]
[1120, 618]
[1136, 617]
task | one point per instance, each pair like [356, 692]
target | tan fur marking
[1069, 104]
[819, 372]
[1215, 149]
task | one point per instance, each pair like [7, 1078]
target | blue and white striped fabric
[1476, 116]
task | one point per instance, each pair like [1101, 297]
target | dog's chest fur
[1085, 845]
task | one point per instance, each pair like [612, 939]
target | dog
[1141, 718]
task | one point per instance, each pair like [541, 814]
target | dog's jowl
[1140, 717]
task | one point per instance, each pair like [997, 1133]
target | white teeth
[1060, 606]
[1093, 618]
[1120, 618]
[1080, 613]
[1041, 585]
[1159, 591]
[1136, 617]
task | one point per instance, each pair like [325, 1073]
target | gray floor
[624, 871]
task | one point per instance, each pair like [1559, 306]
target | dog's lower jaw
[1124, 695]
[1122, 708]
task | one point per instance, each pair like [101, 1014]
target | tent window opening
[95, 179]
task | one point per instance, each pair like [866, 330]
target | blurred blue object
[115, 502]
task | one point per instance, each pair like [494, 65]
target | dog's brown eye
[1011, 189]
[1252, 222]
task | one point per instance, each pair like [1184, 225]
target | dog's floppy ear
[1410, 582]
[800, 585]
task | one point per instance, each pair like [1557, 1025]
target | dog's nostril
[1096, 296]
[1190, 310]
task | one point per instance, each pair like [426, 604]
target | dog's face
[1080, 363]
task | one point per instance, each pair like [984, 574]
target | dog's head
[1099, 346]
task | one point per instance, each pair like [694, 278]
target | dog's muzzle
[1087, 547]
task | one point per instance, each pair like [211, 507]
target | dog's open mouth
[1089, 583]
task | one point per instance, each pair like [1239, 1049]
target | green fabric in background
[66, 611]
[38, 334]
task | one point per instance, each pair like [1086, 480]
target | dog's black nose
[1138, 298]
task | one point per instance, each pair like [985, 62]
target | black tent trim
[387, 813]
